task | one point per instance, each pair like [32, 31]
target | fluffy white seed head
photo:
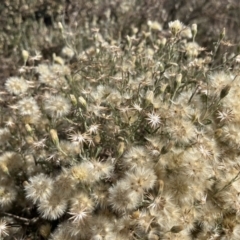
[53, 206]
[3, 228]
[219, 79]
[114, 98]
[141, 179]
[192, 49]
[101, 169]
[65, 182]
[70, 148]
[81, 207]
[8, 195]
[100, 195]
[83, 173]
[67, 52]
[154, 25]
[181, 131]
[28, 106]
[57, 106]
[53, 75]
[123, 199]
[186, 33]
[136, 156]
[29, 110]
[16, 85]
[39, 188]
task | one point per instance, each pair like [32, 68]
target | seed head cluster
[138, 140]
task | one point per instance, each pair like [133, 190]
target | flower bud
[60, 26]
[160, 66]
[176, 229]
[4, 168]
[178, 79]
[194, 30]
[175, 27]
[162, 42]
[120, 148]
[222, 34]
[218, 133]
[29, 140]
[161, 185]
[54, 136]
[45, 230]
[73, 99]
[154, 25]
[129, 41]
[163, 87]
[150, 96]
[25, 55]
[57, 59]
[28, 128]
[194, 27]
[225, 91]
[135, 214]
[82, 101]
[97, 138]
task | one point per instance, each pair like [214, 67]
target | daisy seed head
[16, 85]
[57, 106]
